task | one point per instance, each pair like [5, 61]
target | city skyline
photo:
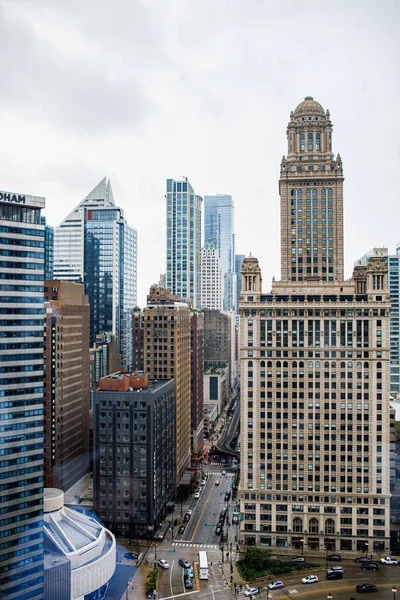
[234, 141]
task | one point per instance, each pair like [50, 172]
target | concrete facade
[197, 364]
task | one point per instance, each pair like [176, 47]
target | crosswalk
[190, 545]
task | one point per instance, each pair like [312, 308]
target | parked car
[387, 560]
[275, 585]
[251, 591]
[182, 529]
[188, 582]
[163, 563]
[217, 482]
[365, 588]
[334, 575]
[334, 557]
[362, 559]
[189, 572]
[197, 494]
[298, 559]
[203, 482]
[370, 566]
[184, 563]
[310, 579]
[227, 495]
[188, 515]
[218, 529]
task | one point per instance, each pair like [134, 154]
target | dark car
[227, 495]
[334, 557]
[362, 559]
[334, 575]
[130, 556]
[370, 566]
[184, 563]
[181, 529]
[366, 588]
[188, 582]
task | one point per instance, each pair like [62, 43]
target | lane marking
[202, 512]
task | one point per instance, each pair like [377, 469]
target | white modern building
[80, 554]
[211, 278]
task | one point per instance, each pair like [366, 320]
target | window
[318, 141]
[310, 141]
[302, 142]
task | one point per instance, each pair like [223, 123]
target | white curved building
[77, 546]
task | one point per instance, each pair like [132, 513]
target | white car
[387, 560]
[163, 563]
[197, 494]
[275, 585]
[251, 591]
[217, 482]
[223, 472]
[310, 579]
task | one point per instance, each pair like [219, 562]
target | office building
[21, 396]
[79, 555]
[220, 342]
[197, 387]
[212, 288]
[393, 265]
[48, 250]
[66, 383]
[216, 387]
[137, 340]
[314, 357]
[133, 434]
[219, 228]
[94, 244]
[183, 241]
[104, 358]
[239, 258]
[167, 351]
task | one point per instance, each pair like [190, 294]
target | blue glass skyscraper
[21, 396]
[219, 228]
[183, 240]
[48, 250]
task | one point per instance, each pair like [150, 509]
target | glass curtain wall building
[239, 258]
[183, 241]
[21, 396]
[110, 276]
[48, 250]
[219, 228]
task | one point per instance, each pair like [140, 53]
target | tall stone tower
[311, 191]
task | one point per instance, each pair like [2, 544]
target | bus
[203, 565]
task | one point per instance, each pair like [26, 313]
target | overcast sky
[142, 90]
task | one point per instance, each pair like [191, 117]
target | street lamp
[394, 590]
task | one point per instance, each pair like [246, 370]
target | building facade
[393, 265]
[138, 340]
[314, 360]
[219, 229]
[167, 351]
[104, 358]
[239, 258]
[133, 443]
[48, 250]
[212, 288]
[197, 393]
[66, 383]
[21, 396]
[183, 241]
[94, 244]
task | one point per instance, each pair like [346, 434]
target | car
[181, 529]
[203, 482]
[188, 582]
[365, 588]
[187, 516]
[298, 559]
[223, 472]
[387, 560]
[251, 591]
[227, 495]
[184, 563]
[163, 563]
[370, 566]
[217, 482]
[310, 579]
[275, 585]
[130, 556]
[336, 570]
[334, 575]
[189, 572]
[218, 529]
[197, 495]
[362, 559]
[334, 557]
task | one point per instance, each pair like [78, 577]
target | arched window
[315, 193]
[342, 365]
[349, 365]
[379, 365]
[297, 525]
[299, 193]
[269, 364]
[301, 364]
[262, 363]
[302, 142]
[326, 365]
[317, 364]
[294, 364]
[313, 526]
[333, 365]
[330, 526]
[323, 193]
[318, 141]
[359, 365]
[250, 363]
[366, 365]
[310, 141]
[310, 365]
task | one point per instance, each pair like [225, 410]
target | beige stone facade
[314, 362]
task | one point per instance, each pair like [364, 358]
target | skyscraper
[48, 250]
[219, 228]
[67, 383]
[312, 212]
[239, 258]
[21, 396]
[183, 241]
[94, 244]
[212, 287]
[315, 374]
